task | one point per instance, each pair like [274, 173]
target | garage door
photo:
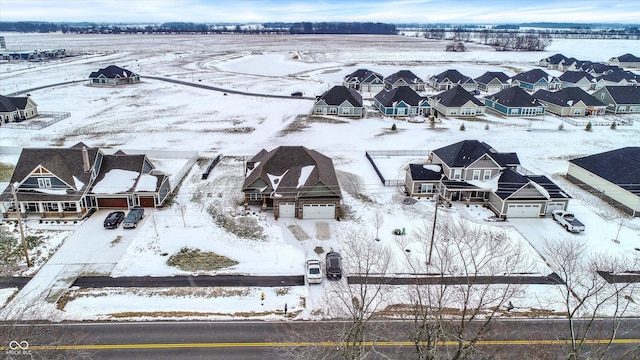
[287, 209]
[554, 206]
[523, 210]
[147, 202]
[113, 203]
[318, 211]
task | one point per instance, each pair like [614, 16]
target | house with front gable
[68, 182]
[404, 78]
[571, 64]
[626, 61]
[294, 182]
[519, 195]
[113, 75]
[598, 69]
[613, 175]
[493, 81]
[579, 79]
[401, 101]
[552, 62]
[450, 78]
[514, 102]
[534, 80]
[364, 80]
[17, 108]
[620, 99]
[617, 78]
[339, 101]
[457, 102]
[571, 101]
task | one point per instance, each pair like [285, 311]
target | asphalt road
[188, 281]
[268, 340]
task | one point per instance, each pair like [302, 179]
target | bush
[561, 126]
[188, 259]
[393, 127]
[462, 128]
[588, 127]
[613, 126]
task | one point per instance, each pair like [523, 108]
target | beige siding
[606, 188]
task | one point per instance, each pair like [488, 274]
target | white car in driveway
[568, 221]
[312, 272]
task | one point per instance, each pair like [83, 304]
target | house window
[457, 174]
[426, 188]
[622, 108]
[602, 96]
[487, 175]
[513, 111]
[255, 196]
[577, 111]
[345, 111]
[476, 174]
[44, 182]
[51, 206]
[318, 110]
[333, 110]
[453, 112]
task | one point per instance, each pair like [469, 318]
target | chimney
[85, 159]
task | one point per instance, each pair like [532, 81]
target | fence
[37, 123]
[392, 182]
[583, 121]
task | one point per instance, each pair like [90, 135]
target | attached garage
[554, 206]
[523, 210]
[147, 201]
[119, 203]
[318, 211]
[287, 209]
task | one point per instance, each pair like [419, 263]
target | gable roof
[339, 94]
[112, 72]
[619, 75]
[514, 97]
[555, 59]
[11, 103]
[360, 75]
[575, 76]
[452, 75]
[422, 172]
[532, 76]
[466, 152]
[598, 68]
[456, 97]
[490, 75]
[510, 181]
[623, 94]
[293, 170]
[626, 58]
[403, 93]
[566, 97]
[620, 167]
[121, 161]
[406, 75]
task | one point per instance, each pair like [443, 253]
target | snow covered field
[162, 116]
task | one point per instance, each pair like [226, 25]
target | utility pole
[24, 240]
[433, 228]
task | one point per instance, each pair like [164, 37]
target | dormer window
[44, 182]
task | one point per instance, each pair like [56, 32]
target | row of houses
[297, 182]
[563, 63]
[459, 102]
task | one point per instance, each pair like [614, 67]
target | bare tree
[587, 296]
[181, 209]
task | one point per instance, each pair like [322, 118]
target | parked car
[333, 265]
[313, 273]
[567, 220]
[113, 220]
[131, 221]
[297, 93]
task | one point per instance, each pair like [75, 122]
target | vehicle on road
[297, 93]
[568, 221]
[313, 273]
[131, 221]
[113, 220]
[333, 265]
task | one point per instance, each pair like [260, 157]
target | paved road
[551, 279]
[266, 340]
[188, 281]
[10, 282]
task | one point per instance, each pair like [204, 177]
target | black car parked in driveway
[131, 221]
[333, 267]
[113, 220]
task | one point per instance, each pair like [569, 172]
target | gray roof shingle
[620, 167]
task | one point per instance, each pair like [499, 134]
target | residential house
[401, 101]
[579, 79]
[552, 62]
[294, 181]
[617, 78]
[450, 78]
[526, 196]
[534, 80]
[113, 75]
[597, 69]
[613, 175]
[514, 102]
[626, 61]
[571, 64]
[364, 80]
[493, 81]
[17, 108]
[571, 101]
[67, 182]
[404, 78]
[620, 99]
[457, 102]
[422, 180]
[339, 101]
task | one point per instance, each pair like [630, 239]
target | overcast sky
[390, 11]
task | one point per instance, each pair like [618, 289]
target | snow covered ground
[163, 116]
